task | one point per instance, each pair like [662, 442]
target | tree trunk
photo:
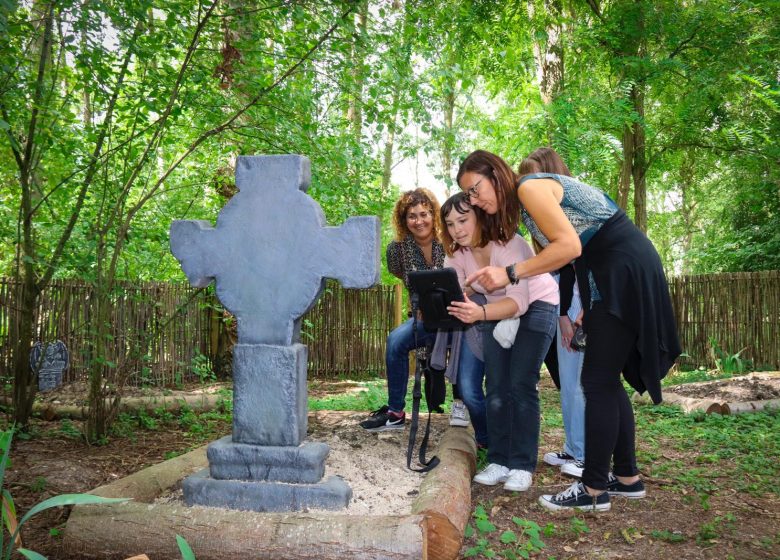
[387, 157]
[217, 534]
[445, 494]
[24, 380]
[549, 54]
[639, 164]
[448, 143]
[624, 186]
[357, 70]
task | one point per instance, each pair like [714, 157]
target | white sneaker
[492, 475]
[518, 481]
[573, 469]
[459, 415]
[557, 458]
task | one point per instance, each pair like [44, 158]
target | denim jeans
[471, 375]
[572, 400]
[399, 343]
[512, 396]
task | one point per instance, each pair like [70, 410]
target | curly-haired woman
[416, 247]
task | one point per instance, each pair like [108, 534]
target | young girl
[512, 402]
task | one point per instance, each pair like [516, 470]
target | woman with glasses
[628, 315]
[512, 400]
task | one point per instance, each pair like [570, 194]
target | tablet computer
[436, 289]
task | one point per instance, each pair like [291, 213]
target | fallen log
[687, 404]
[445, 495]
[220, 534]
[749, 406]
[432, 532]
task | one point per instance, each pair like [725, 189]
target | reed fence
[730, 312]
[166, 332]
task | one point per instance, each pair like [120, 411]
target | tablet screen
[436, 289]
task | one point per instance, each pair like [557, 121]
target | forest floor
[711, 480]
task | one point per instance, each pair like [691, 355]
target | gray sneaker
[459, 415]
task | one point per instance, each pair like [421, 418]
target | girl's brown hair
[502, 225]
[460, 203]
[411, 199]
[543, 160]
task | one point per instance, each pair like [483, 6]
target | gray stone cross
[270, 254]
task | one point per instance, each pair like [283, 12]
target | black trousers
[609, 417]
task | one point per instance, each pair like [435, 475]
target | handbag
[579, 339]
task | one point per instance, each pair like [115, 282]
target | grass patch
[370, 395]
[742, 448]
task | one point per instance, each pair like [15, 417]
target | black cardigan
[631, 282]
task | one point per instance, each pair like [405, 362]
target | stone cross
[270, 254]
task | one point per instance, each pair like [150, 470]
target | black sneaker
[633, 491]
[557, 458]
[383, 419]
[574, 468]
[575, 497]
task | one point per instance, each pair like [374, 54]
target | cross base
[229, 460]
[201, 490]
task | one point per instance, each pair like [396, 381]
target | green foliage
[184, 548]
[9, 516]
[201, 366]
[668, 536]
[711, 530]
[729, 363]
[521, 541]
[741, 448]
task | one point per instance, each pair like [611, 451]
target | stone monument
[49, 361]
[270, 254]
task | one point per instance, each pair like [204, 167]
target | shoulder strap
[416, 396]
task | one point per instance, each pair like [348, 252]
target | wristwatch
[510, 272]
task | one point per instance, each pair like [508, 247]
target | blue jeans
[512, 396]
[400, 342]
[471, 374]
[572, 400]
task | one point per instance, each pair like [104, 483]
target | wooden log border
[433, 531]
[715, 406]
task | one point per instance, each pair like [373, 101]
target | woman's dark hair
[543, 160]
[460, 203]
[502, 225]
[411, 199]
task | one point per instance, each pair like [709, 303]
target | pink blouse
[542, 287]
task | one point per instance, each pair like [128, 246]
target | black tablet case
[436, 289]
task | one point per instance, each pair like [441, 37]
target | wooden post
[398, 304]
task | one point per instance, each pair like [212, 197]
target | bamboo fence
[161, 331]
[730, 313]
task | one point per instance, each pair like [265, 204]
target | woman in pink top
[512, 373]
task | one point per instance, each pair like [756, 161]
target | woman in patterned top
[416, 247]
[628, 315]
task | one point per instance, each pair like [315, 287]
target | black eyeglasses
[473, 192]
